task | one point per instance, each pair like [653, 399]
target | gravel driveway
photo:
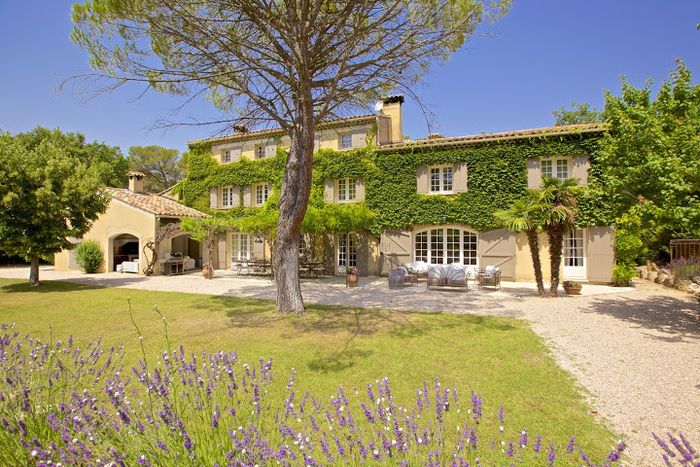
[635, 351]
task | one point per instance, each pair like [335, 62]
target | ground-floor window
[242, 246]
[573, 248]
[446, 246]
[347, 252]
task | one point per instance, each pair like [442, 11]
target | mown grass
[500, 358]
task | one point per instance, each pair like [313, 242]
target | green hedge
[496, 176]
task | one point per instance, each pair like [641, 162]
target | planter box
[352, 280]
[572, 290]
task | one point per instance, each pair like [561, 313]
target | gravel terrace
[636, 351]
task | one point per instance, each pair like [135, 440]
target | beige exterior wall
[328, 138]
[599, 253]
[120, 218]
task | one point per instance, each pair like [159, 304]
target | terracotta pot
[207, 271]
[352, 280]
[573, 290]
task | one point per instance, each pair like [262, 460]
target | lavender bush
[685, 268]
[62, 404]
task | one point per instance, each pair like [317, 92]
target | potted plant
[207, 271]
[352, 277]
[572, 288]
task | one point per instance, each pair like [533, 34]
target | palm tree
[525, 215]
[558, 198]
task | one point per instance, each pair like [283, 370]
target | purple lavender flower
[570, 446]
[552, 456]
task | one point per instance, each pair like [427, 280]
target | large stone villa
[447, 171]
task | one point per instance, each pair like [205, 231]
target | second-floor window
[227, 156]
[441, 179]
[262, 193]
[555, 168]
[346, 141]
[227, 197]
[346, 189]
[259, 151]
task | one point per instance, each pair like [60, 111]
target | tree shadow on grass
[655, 312]
[48, 287]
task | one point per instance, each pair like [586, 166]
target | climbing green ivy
[496, 177]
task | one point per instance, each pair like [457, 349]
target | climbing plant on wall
[496, 177]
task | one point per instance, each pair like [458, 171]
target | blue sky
[544, 54]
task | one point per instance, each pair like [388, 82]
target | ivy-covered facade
[380, 206]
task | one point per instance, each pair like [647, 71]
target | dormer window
[555, 168]
[346, 141]
[347, 189]
[262, 193]
[441, 179]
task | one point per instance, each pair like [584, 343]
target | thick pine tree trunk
[534, 243]
[34, 270]
[555, 235]
[294, 199]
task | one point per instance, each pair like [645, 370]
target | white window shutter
[271, 150]
[235, 196]
[460, 180]
[422, 180]
[213, 198]
[359, 189]
[534, 173]
[317, 143]
[247, 196]
[328, 195]
[359, 139]
[235, 154]
[580, 169]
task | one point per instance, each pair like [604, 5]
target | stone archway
[123, 247]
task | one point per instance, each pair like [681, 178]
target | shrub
[78, 405]
[685, 268]
[89, 255]
[623, 274]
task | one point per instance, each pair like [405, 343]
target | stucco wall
[120, 218]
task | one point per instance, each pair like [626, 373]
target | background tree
[577, 114]
[526, 215]
[292, 63]
[558, 200]
[47, 197]
[650, 162]
[107, 161]
[161, 166]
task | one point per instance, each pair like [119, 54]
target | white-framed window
[345, 141]
[441, 179]
[242, 246]
[347, 252]
[226, 156]
[262, 193]
[227, 197]
[574, 255]
[346, 189]
[446, 245]
[555, 168]
[259, 151]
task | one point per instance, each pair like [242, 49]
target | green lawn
[500, 358]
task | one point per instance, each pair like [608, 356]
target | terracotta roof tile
[493, 137]
[272, 132]
[154, 203]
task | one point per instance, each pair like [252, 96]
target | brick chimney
[389, 122]
[136, 182]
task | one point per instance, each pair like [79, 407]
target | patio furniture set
[444, 276]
